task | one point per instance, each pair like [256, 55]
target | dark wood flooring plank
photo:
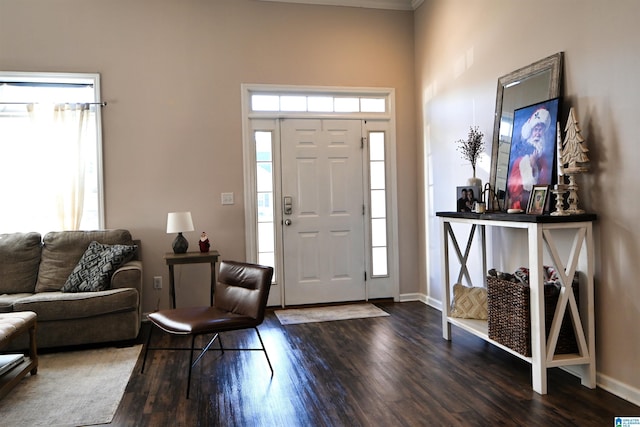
[386, 371]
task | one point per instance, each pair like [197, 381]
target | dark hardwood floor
[386, 371]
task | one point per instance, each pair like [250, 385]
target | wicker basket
[510, 316]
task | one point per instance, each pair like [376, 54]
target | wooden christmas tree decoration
[574, 155]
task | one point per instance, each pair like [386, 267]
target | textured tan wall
[462, 47]
[171, 73]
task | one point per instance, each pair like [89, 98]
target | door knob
[287, 222]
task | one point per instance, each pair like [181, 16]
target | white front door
[323, 211]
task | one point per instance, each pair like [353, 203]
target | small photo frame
[538, 200]
[466, 196]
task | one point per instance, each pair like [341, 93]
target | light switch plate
[227, 198]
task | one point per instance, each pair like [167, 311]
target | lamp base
[180, 244]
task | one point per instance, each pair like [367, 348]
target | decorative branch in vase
[471, 148]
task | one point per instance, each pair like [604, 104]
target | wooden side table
[542, 233]
[190, 258]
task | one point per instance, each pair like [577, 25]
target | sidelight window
[378, 197]
[264, 202]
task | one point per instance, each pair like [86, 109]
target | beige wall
[462, 47]
[171, 74]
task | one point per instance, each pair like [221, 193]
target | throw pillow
[93, 271]
[62, 250]
[469, 302]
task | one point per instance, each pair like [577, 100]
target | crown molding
[372, 4]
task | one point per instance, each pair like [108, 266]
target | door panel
[324, 243]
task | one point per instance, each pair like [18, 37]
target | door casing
[376, 287]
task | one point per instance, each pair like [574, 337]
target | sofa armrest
[129, 275]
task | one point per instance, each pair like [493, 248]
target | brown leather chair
[241, 294]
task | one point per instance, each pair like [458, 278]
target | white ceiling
[372, 4]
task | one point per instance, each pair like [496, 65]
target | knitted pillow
[469, 302]
[93, 271]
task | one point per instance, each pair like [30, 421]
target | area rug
[77, 388]
[295, 316]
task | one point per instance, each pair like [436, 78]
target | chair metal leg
[193, 339]
[205, 349]
[146, 350]
[192, 362]
[265, 351]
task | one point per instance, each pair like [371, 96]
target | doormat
[296, 316]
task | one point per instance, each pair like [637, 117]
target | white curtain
[60, 133]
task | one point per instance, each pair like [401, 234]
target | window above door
[266, 101]
[318, 103]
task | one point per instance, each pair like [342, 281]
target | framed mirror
[529, 85]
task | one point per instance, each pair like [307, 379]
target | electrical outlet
[157, 282]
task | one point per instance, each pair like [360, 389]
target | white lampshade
[178, 222]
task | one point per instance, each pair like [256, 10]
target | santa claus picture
[532, 151]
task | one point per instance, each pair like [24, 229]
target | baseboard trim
[422, 298]
[620, 389]
[413, 297]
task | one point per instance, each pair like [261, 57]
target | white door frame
[388, 286]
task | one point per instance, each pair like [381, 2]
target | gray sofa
[33, 272]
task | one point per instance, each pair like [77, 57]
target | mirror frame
[554, 63]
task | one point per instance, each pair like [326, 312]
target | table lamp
[178, 222]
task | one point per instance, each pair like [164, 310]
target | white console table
[540, 231]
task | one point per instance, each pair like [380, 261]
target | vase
[474, 182]
[180, 244]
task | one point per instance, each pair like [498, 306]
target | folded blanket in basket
[521, 275]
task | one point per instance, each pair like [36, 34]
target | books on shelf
[9, 361]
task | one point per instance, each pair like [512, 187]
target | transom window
[318, 104]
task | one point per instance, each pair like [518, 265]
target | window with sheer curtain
[50, 152]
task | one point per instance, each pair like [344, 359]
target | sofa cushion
[97, 264]
[62, 306]
[63, 249]
[19, 259]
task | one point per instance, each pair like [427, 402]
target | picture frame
[532, 152]
[538, 200]
[466, 196]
